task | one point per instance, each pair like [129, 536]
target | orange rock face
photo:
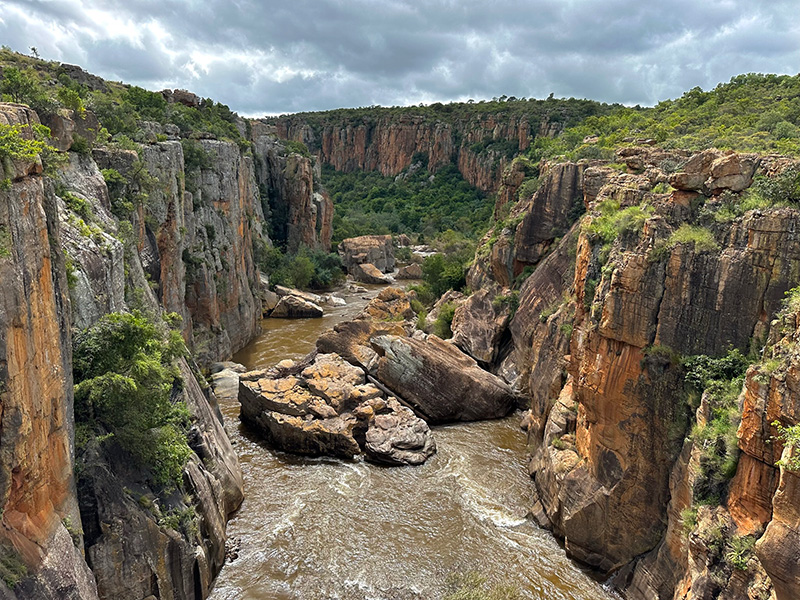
[388, 145]
[37, 489]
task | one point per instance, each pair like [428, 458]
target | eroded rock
[326, 408]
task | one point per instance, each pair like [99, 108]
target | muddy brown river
[318, 529]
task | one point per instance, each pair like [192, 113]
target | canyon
[590, 297]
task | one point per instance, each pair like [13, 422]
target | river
[318, 529]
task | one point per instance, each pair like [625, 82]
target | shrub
[70, 99]
[125, 373]
[701, 239]
[297, 148]
[444, 320]
[12, 568]
[740, 550]
[789, 436]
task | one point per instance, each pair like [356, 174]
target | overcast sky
[269, 57]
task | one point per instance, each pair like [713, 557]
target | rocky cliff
[481, 145]
[117, 228]
[667, 263]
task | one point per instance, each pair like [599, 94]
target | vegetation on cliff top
[47, 86]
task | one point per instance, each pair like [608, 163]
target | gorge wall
[122, 228]
[620, 463]
[481, 145]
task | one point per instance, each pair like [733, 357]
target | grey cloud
[273, 57]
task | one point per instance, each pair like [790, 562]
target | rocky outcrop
[127, 528]
[294, 307]
[325, 406]
[524, 238]
[412, 271]
[607, 415]
[479, 324]
[375, 250]
[442, 383]
[369, 273]
[301, 213]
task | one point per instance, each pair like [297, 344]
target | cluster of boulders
[324, 405]
[290, 303]
[368, 258]
[371, 388]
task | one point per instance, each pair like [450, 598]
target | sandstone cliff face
[184, 245]
[525, 236]
[594, 339]
[37, 489]
[301, 212]
[481, 147]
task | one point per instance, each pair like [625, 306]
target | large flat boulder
[442, 383]
[369, 273]
[294, 307]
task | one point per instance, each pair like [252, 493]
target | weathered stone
[412, 271]
[328, 409]
[732, 172]
[67, 125]
[368, 273]
[479, 324]
[438, 380]
[399, 437]
[372, 249]
[294, 307]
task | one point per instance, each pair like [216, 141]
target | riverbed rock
[369, 273]
[225, 379]
[294, 307]
[412, 271]
[389, 313]
[442, 383]
[308, 296]
[398, 437]
[373, 249]
[323, 406]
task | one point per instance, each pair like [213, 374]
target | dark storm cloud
[271, 57]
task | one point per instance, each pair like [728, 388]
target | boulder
[389, 313]
[369, 273]
[308, 296]
[67, 125]
[398, 437]
[225, 380]
[442, 383]
[412, 271]
[373, 249]
[324, 407]
[294, 307]
[732, 172]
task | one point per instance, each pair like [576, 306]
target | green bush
[789, 436]
[305, 269]
[740, 550]
[441, 326]
[125, 373]
[297, 148]
[699, 237]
